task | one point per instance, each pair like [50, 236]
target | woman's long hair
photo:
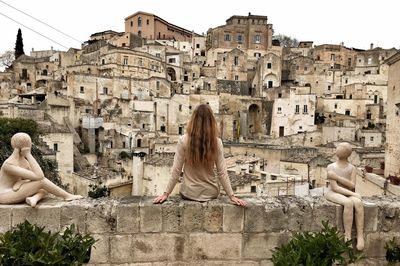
[202, 142]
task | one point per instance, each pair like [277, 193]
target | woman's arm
[35, 167]
[223, 177]
[177, 166]
[20, 172]
[341, 190]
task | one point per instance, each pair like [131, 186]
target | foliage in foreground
[316, 249]
[392, 251]
[29, 244]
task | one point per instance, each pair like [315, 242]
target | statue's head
[343, 150]
[21, 140]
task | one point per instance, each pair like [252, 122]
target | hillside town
[112, 112]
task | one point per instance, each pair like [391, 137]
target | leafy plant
[316, 249]
[392, 251]
[98, 191]
[28, 244]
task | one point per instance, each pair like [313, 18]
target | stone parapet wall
[133, 231]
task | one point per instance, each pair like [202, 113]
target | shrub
[316, 249]
[98, 191]
[29, 244]
[392, 251]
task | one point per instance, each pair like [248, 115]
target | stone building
[392, 146]
[152, 27]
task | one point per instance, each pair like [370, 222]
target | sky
[355, 23]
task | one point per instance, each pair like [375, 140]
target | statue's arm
[341, 190]
[344, 181]
[20, 172]
[35, 167]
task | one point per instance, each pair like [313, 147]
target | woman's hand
[237, 201]
[161, 199]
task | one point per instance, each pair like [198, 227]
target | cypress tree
[19, 45]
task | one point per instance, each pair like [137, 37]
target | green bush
[29, 244]
[392, 251]
[98, 191]
[316, 249]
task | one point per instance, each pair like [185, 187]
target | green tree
[286, 41]
[19, 45]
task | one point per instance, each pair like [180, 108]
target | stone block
[261, 245]
[43, 215]
[375, 243]
[150, 218]
[100, 218]
[370, 218]
[266, 263]
[128, 218]
[121, 248]
[324, 211]
[276, 219]
[158, 247]
[233, 219]
[255, 218]
[172, 218]
[389, 217]
[213, 217]
[74, 214]
[193, 217]
[204, 246]
[5, 218]
[299, 217]
[100, 252]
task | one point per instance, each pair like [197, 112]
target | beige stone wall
[64, 143]
[134, 231]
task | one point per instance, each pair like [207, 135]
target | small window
[148, 22]
[329, 87]
[105, 90]
[257, 38]
[269, 65]
[371, 138]
[139, 21]
[157, 84]
[335, 105]
[197, 45]
[333, 57]
[279, 95]
[82, 89]
[279, 109]
[253, 189]
[297, 109]
[125, 60]
[180, 107]
[103, 61]
[270, 84]
[171, 60]
[236, 61]
[131, 23]
[347, 112]
[240, 38]
[55, 146]
[305, 111]
[180, 130]
[227, 37]
[162, 128]
[236, 77]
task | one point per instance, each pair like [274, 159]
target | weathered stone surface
[158, 247]
[255, 219]
[100, 252]
[74, 214]
[193, 217]
[47, 215]
[5, 218]
[260, 246]
[204, 246]
[172, 218]
[150, 218]
[370, 218]
[389, 217]
[233, 219]
[266, 263]
[299, 217]
[375, 243]
[121, 248]
[100, 218]
[324, 211]
[213, 217]
[128, 218]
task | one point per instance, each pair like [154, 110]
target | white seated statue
[22, 179]
[341, 175]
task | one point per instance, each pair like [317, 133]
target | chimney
[249, 14]
[371, 46]
[342, 43]
[237, 168]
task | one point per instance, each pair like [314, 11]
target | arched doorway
[254, 119]
[171, 74]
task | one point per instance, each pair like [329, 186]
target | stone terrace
[133, 231]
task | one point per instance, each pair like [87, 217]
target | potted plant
[395, 180]
[28, 244]
[316, 249]
[369, 169]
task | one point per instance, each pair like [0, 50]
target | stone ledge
[178, 232]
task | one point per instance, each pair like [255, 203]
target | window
[375, 98]
[24, 74]
[162, 128]
[158, 55]
[125, 60]
[103, 61]
[279, 110]
[253, 189]
[333, 57]
[347, 112]
[270, 84]
[171, 60]
[305, 111]
[279, 95]
[335, 105]
[105, 90]
[269, 65]
[197, 45]
[180, 132]
[55, 146]
[349, 62]
[329, 87]
[369, 60]
[257, 38]
[180, 107]
[257, 55]
[239, 38]
[227, 37]
[82, 89]
[157, 84]
[371, 138]
[236, 77]
[350, 96]
[236, 61]
[131, 23]
[147, 22]
[139, 21]
[300, 127]
[297, 110]
[138, 143]
[139, 33]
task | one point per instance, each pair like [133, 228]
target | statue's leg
[33, 200]
[359, 215]
[33, 187]
[347, 204]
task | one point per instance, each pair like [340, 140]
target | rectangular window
[197, 45]
[349, 62]
[257, 38]
[180, 131]
[236, 61]
[236, 77]
[257, 55]
[158, 55]
[371, 138]
[82, 89]
[240, 38]
[333, 57]
[105, 90]
[171, 60]
[157, 84]
[279, 110]
[269, 65]
[180, 107]
[147, 22]
[162, 128]
[297, 110]
[227, 37]
[305, 111]
[125, 60]
[55, 146]
[270, 84]
[347, 112]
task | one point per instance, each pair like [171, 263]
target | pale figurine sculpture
[22, 179]
[342, 186]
